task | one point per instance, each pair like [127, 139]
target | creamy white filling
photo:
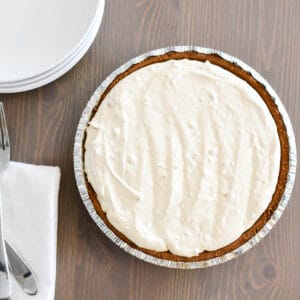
[183, 155]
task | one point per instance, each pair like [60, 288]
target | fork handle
[22, 273]
[5, 284]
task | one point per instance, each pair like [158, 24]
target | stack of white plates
[42, 40]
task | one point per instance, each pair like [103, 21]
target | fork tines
[4, 139]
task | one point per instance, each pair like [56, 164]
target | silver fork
[5, 284]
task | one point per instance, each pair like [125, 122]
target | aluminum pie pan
[80, 174]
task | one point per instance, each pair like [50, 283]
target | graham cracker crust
[284, 162]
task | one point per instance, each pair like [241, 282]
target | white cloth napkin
[30, 201]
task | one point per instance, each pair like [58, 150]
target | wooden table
[42, 124]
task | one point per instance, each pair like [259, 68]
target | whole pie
[186, 156]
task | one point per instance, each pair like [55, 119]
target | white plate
[42, 40]
[60, 69]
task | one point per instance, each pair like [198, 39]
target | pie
[185, 156]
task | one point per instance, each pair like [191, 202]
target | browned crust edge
[284, 162]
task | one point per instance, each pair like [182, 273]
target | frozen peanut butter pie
[184, 157]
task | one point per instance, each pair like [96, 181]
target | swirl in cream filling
[183, 156]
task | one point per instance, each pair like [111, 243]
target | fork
[5, 283]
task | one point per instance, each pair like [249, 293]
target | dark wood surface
[42, 124]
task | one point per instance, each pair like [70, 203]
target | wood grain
[42, 124]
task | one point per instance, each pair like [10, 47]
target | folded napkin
[30, 198]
